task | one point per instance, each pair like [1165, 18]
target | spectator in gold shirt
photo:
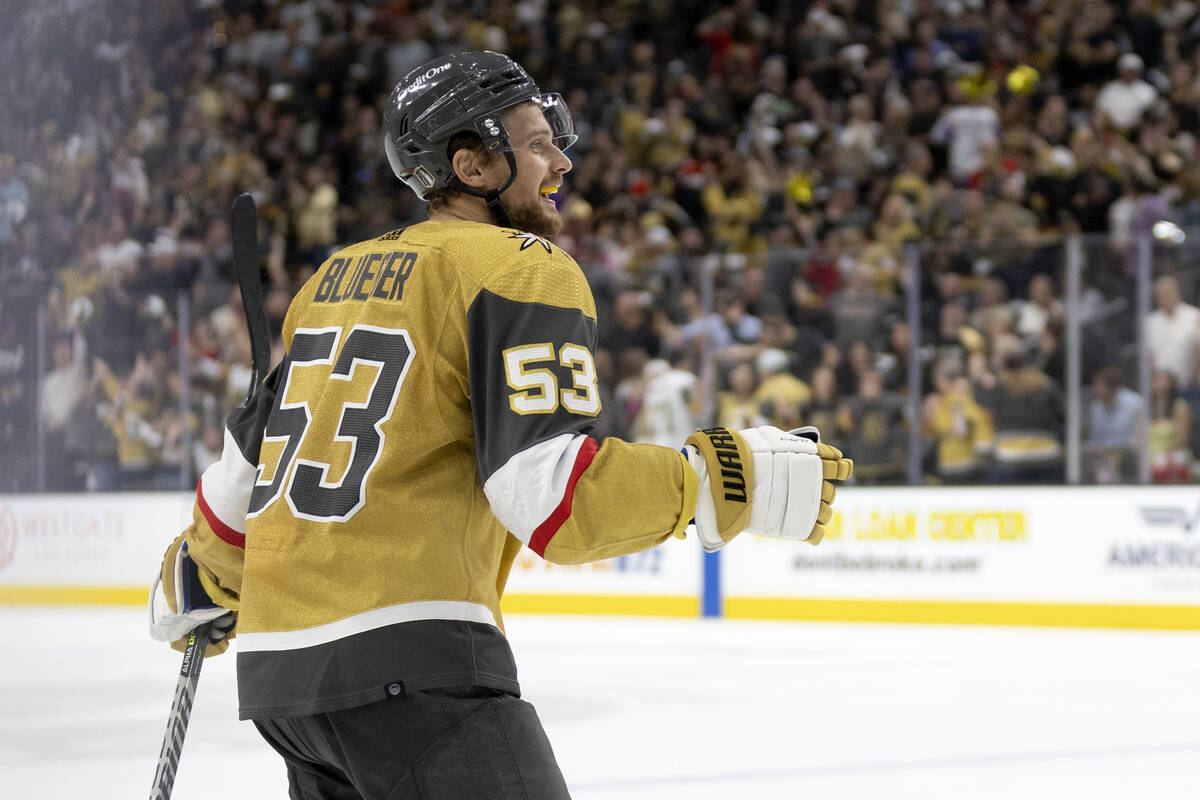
[781, 395]
[960, 428]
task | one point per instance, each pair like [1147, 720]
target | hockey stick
[244, 232]
[181, 712]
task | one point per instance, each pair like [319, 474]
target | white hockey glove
[765, 482]
[191, 598]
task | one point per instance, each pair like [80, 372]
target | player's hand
[192, 598]
[765, 482]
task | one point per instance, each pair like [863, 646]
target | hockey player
[429, 419]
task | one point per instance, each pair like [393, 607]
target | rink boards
[1121, 557]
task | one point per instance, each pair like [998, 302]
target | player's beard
[533, 218]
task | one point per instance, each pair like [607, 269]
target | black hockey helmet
[455, 93]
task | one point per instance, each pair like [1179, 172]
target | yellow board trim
[626, 605]
[932, 612]
[944, 612]
[74, 595]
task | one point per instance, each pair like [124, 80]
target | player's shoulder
[484, 248]
[385, 242]
[514, 264]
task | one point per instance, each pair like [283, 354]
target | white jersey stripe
[227, 484]
[527, 489]
[361, 623]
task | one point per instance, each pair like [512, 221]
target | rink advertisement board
[1124, 557]
[99, 548]
[1095, 556]
[665, 581]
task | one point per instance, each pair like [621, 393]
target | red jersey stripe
[543, 533]
[223, 531]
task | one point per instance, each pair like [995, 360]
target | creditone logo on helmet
[419, 83]
[433, 71]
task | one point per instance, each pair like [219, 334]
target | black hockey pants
[442, 744]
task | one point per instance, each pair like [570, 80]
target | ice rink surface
[671, 709]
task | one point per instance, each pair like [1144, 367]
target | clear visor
[558, 117]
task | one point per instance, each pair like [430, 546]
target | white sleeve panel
[531, 484]
[226, 485]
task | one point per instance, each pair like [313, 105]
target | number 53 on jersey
[360, 390]
[536, 389]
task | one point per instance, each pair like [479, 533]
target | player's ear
[470, 167]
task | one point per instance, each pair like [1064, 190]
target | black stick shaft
[244, 231]
[181, 712]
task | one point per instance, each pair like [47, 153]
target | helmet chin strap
[492, 196]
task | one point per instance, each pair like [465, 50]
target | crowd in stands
[751, 185]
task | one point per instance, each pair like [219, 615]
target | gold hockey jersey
[430, 418]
